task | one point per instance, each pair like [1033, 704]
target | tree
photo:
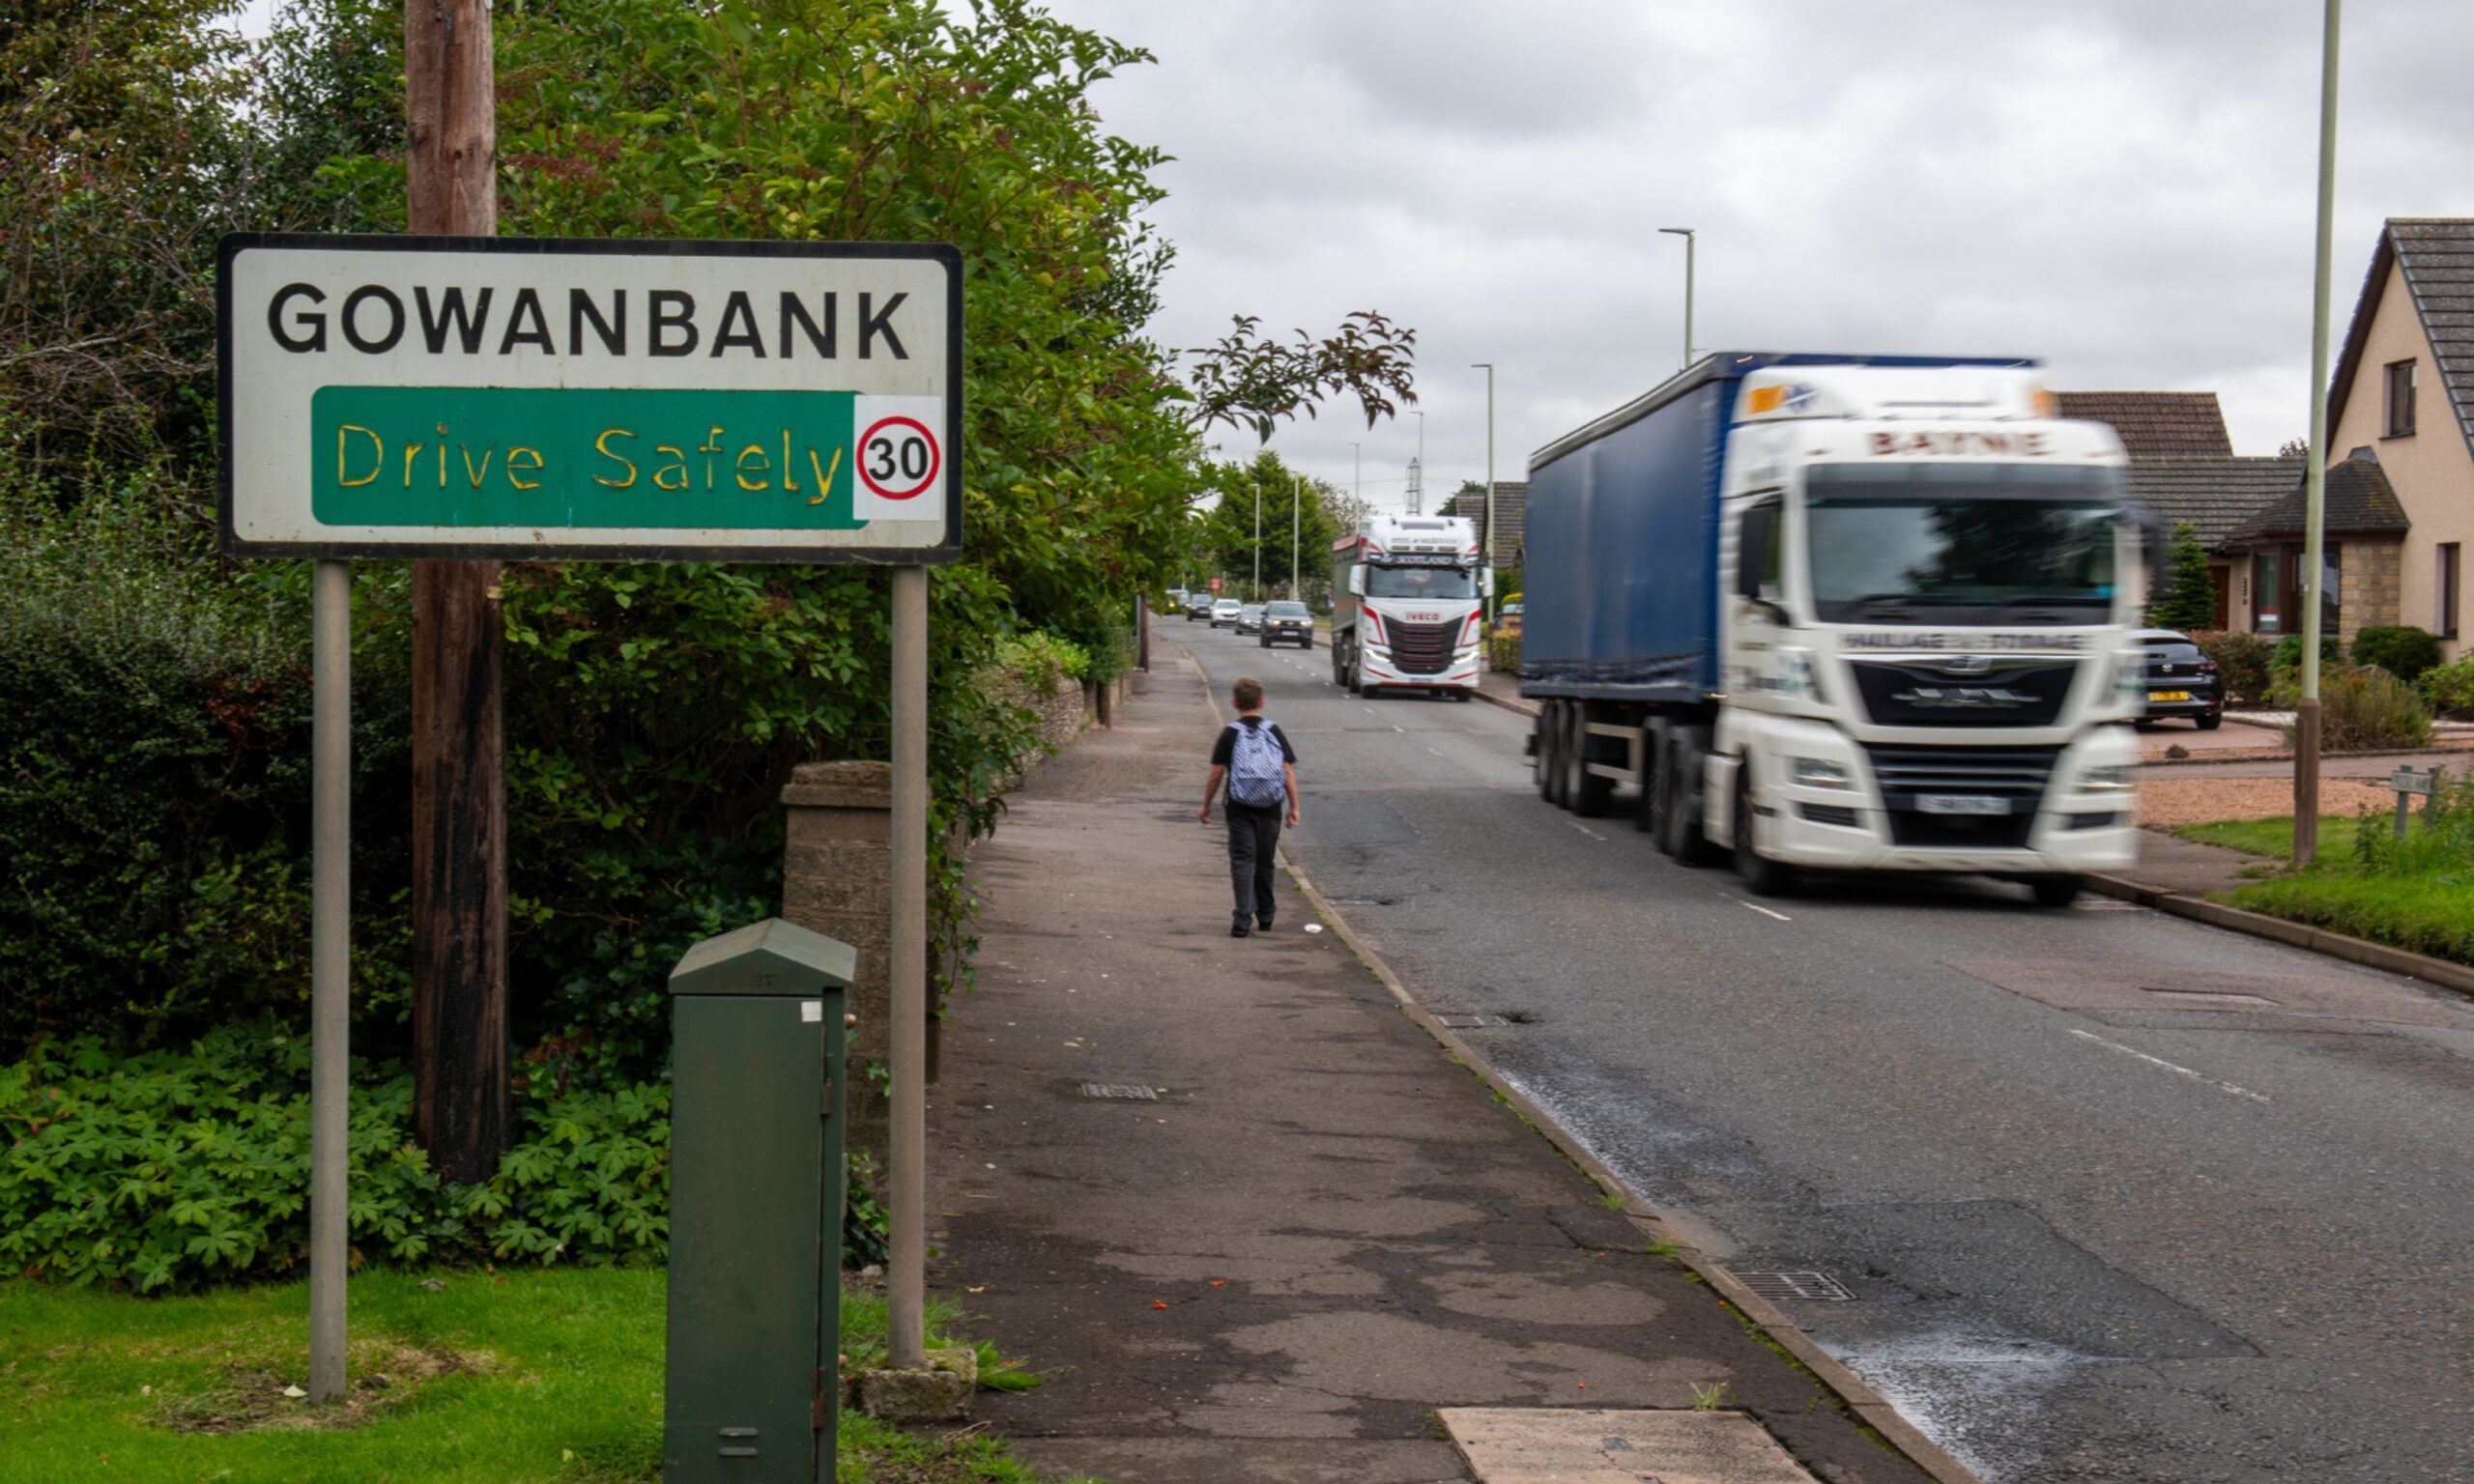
[1226, 539]
[2186, 599]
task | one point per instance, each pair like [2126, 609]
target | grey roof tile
[2216, 494]
[2359, 502]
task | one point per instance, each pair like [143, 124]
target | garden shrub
[2403, 652]
[2364, 707]
[171, 1170]
[1503, 653]
[2241, 662]
[2449, 687]
[2284, 668]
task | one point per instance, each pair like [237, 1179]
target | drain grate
[2207, 997]
[1804, 1283]
[1133, 1092]
[1461, 1022]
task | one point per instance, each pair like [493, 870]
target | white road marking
[1584, 829]
[2174, 1067]
[1758, 907]
[1400, 729]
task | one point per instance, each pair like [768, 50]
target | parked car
[1285, 624]
[1224, 612]
[2181, 680]
[1508, 620]
[1249, 619]
[1199, 605]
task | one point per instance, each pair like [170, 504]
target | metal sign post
[482, 398]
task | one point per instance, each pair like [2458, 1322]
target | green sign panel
[565, 458]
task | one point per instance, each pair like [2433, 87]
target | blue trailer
[1867, 606]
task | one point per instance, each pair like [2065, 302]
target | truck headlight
[2112, 779]
[1817, 773]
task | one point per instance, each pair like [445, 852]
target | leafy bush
[2405, 652]
[2241, 662]
[1041, 660]
[2363, 708]
[2449, 687]
[1503, 653]
[154, 779]
[2284, 668]
[175, 1169]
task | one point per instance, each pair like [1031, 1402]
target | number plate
[1961, 803]
[2169, 695]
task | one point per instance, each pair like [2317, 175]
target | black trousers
[1254, 840]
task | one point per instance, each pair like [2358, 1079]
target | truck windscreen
[1973, 543]
[1437, 583]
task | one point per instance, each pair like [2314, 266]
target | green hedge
[153, 782]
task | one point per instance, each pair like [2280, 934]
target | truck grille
[1422, 648]
[1920, 692]
[2016, 775]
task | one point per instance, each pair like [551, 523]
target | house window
[2447, 587]
[2400, 382]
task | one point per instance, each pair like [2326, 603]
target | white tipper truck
[1408, 606]
[1842, 612]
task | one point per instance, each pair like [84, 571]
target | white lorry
[1408, 606]
[1844, 613]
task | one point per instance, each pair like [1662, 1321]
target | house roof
[1512, 509]
[2155, 424]
[2359, 502]
[2217, 496]
[2438, 256]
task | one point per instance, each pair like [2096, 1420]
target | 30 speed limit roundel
[898, 457]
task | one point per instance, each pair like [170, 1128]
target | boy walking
[1253, 757]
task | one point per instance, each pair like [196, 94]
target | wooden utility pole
[460, 1100]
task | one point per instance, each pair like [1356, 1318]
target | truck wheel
[2055, 890]
[1679, 823]
[1585, 792]
[1542, 751]
[1649, 814]
[1761, 875]
[1558, 774]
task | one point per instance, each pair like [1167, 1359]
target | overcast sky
[2123, 187]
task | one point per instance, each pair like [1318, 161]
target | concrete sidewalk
[1317, 1230]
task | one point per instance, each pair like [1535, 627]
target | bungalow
[2183, 466]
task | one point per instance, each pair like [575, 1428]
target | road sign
[557, 399]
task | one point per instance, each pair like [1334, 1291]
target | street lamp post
[1259, 540]
[1357, 485]
[1488, 367]
[1296, 510]
[1687, 234]
[2306, 720]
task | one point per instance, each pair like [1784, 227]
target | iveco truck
[1842, 612]
[1407, 607]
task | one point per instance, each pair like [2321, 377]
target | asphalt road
[2105, 1215]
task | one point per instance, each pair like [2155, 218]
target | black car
[1198, 605]
[2182, 681]
[1288, 623]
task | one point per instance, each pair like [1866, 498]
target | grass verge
[2422, 912]
[483, 1379]
[2273, 838]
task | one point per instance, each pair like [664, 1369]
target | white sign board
[542, 398]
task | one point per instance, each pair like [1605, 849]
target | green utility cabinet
[756, 1193]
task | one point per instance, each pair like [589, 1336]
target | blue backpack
[1255, 766]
